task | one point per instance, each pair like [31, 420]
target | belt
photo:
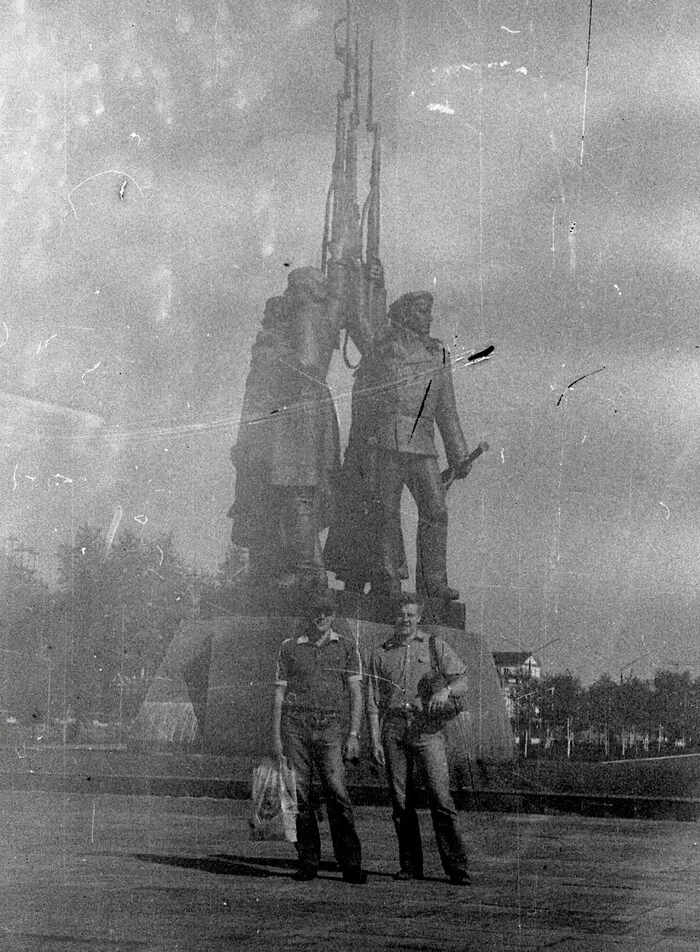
[405, 712]
[314, 718]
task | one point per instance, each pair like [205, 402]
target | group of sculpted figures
[290, 484]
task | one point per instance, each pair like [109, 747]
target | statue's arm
[360, 287]
[447, 417]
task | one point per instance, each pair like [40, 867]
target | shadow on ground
[225, 864]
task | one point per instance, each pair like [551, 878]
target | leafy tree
[25, 621]
[632, 713]
[526, 715]
[216, 594]
[675, 707]
[602, 711]
[562, 700]
[123, 602]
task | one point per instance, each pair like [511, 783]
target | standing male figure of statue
[403, 389]
[319, 676]
[287, 457]
[405, 732]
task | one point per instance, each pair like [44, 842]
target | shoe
[404, 875]
[355, 875]
[460, 879]
[304, 874]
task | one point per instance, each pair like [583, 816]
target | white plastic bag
[274, 802]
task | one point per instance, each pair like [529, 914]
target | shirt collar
[393, 641]
[325, 639]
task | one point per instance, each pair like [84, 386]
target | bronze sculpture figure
[289, 482]
[287, 456]
[403, 389]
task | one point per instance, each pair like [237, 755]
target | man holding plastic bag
[274, 801]
[319, 676]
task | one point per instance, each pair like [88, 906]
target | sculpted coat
[403, 390]
[287, 455]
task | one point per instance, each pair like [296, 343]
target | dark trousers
[421, 474]
[314, 745]
[406, 745]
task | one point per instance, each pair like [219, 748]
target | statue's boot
[303, 556]
[308, 581]
[385, 586]
[440, 591]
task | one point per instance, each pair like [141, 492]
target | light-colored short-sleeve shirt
[397, 668]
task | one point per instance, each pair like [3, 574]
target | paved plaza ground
[157, 873]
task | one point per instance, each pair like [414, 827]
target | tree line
[556, 716]
[88, 649]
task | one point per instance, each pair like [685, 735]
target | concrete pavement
[157, 873]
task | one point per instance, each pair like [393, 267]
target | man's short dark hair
[323, 604]
[409, 598]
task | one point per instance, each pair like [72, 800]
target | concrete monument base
[214, 688]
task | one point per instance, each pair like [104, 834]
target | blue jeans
[314, 744]
[406, 745]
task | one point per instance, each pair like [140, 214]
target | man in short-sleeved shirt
[406, 730]
[318, 682]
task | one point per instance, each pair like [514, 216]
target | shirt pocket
[421, 660]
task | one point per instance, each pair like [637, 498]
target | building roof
[513, 659]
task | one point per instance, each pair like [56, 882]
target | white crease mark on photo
[112, 531]
[91, 369]
[98, 175]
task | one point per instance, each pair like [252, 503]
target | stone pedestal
[370, 607]
[216, 683]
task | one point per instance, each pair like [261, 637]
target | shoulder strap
[434, 663]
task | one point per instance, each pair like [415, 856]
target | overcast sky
[162, 167]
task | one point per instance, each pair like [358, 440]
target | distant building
[516, 665]
[515, 668]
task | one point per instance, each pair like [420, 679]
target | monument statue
[287, 456]
[403, 389]
[213, 685]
